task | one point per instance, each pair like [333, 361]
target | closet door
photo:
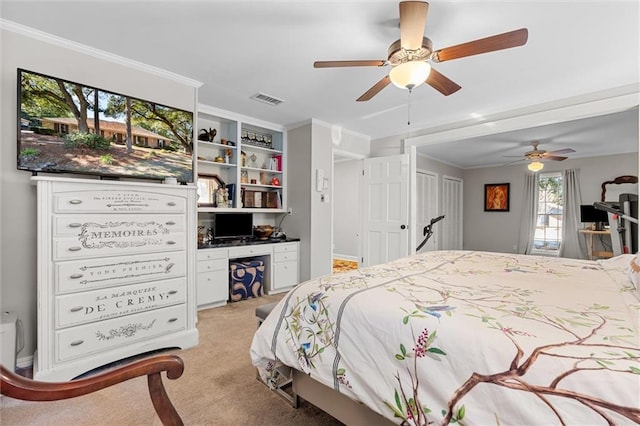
[427, 209]
[451, 230]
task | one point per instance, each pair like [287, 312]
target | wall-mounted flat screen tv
[67, 127]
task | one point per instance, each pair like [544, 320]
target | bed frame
[334, 403]
[292, 384]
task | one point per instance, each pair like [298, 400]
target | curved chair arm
[19, 387]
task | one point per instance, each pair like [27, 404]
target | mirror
[207, 186]
[614, 191]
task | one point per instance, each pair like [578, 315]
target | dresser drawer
[286, 256]
[285, 248]
[91, 274]
[210, 254]
[110, 242]
[86, 339]
[89, 306]
[117, 201]
[76, 225]
[213, 265]
[246, 251]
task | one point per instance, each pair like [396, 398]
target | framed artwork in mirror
[496, 197]
[207, 187]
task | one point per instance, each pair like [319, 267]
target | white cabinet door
[212, 288]
[451, 231]
[426, 208]
[285, 267]
[285, 275]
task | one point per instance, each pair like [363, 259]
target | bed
[470, 337]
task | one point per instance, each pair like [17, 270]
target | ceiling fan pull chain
[409, 108]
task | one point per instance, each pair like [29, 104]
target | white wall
[299, 187]
[498, 231]
[310, 147]
[321, 218]
[18, 195]
[385, 147]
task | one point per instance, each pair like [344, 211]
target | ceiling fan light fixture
[535, 166]
[410, 74]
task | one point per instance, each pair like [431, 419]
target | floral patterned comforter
[476, 338]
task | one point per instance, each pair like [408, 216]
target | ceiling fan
[410, 56]
[535, 156]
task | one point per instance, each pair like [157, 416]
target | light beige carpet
[218, 386]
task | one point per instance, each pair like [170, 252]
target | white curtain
[573, 245]
[529, 213]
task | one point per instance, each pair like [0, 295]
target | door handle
[403, 226]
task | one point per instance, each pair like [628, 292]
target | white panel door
[426, 208]
[385, 209]
[451, 231]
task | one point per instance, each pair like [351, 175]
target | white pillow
[634, 271]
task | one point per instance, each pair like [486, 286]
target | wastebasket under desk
[246, 279]
[262, 252]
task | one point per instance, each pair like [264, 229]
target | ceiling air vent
[267, 99]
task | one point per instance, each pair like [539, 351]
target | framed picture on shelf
[496, 197]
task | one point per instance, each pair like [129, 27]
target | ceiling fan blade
[553, 157]
[484, 45]
[441, 83]
[561, 151]
[413, 18]
[332, 64]
[384, 82]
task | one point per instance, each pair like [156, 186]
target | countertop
[247, 242]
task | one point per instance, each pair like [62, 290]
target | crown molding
[96, 53]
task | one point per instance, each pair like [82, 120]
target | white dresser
[116, 272]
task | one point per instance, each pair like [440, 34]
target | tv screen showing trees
[66, 127]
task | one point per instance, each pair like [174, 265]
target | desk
[280, 260]
[589, 233]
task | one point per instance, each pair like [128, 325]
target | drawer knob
[75, 225]
[75, 248]
[173, 291]
[75, 276]
[171, 203]
[171, 222]
[170, 242]
[77, 342]
[75, 201]
[173, 320]
[76, 309]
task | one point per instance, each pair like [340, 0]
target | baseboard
[345, 257]
[25, 362]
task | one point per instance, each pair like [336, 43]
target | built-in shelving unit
[247, 157]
